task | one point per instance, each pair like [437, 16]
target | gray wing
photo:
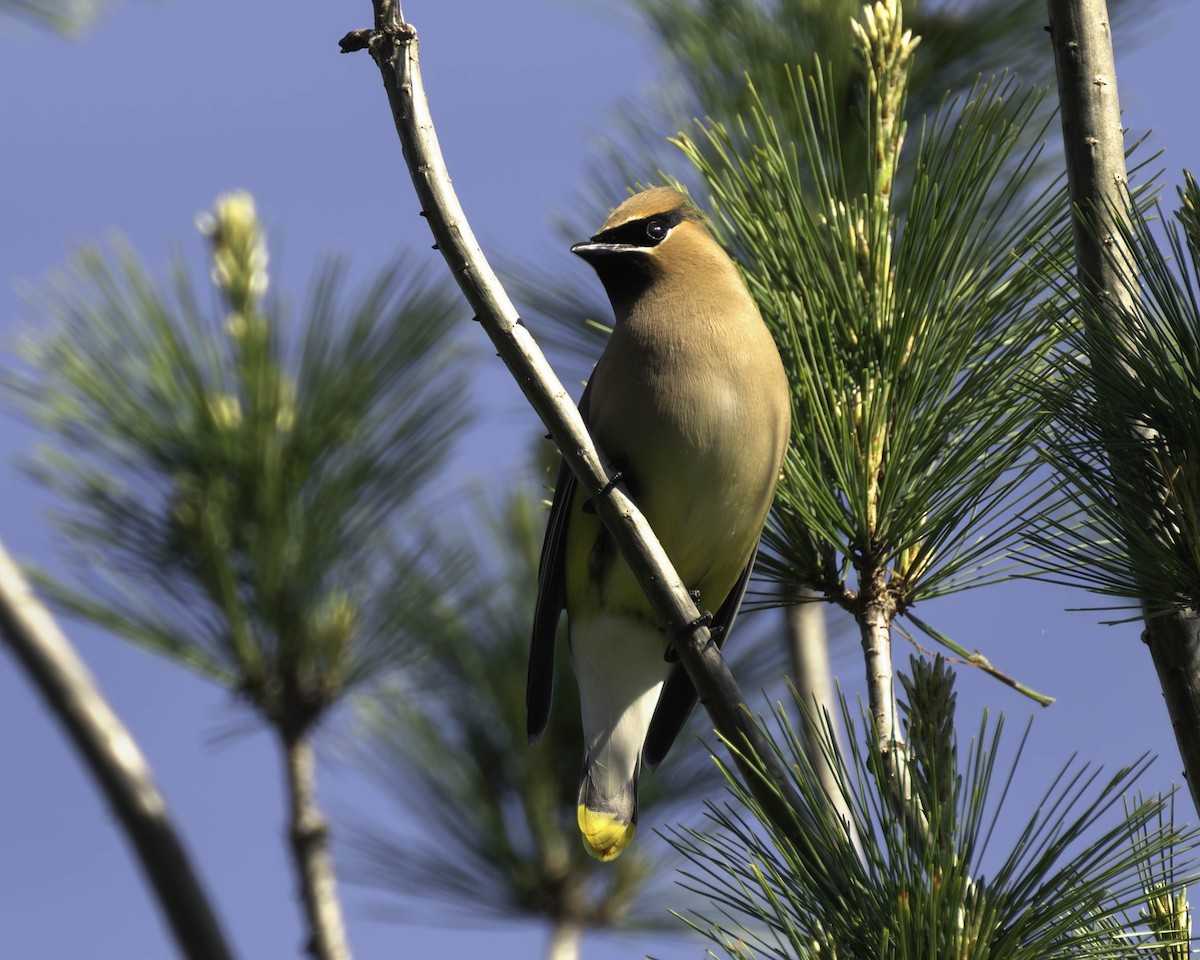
[551, 601]
[678, 696]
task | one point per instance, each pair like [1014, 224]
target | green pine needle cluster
[712, 46]
[1126, 403]
[1084, 878]
[909, 327]
[230, 477]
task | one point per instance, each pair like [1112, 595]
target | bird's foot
[617, 477]
[704, 620]
[589, 506]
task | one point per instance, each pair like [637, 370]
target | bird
[689, 401]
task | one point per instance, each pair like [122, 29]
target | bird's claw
[703, 619]
[609, 487]
[589, 506]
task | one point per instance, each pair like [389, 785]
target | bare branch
[308, 834]
[114, 760]
[1093, 138]
[812, 677]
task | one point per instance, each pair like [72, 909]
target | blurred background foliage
[70, 17]
[223, 474]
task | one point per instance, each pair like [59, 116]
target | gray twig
[115, 761]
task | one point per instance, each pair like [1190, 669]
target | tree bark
[308, 836]
[874, 614]
[115, 762]
[1095, 152]
[1174, 643]
[875, 628]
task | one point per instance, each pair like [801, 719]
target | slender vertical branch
[1093, 140]
[565, 941]
[1174, 643]
[308, 836]
[876, 610]
[393, 45]
[1095, 152]
[875, 627]
[812, 678]
[115, 762]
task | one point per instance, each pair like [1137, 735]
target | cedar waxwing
[689, 401]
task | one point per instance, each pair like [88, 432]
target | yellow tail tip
[604, 835]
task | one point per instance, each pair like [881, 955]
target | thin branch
[1095, 152]
[115, 762]
[309, 837]
[1094, 141]
[393, 45]
[812, 678]
[969, 658]
[566, 938]
[875, 615]
[875, 628]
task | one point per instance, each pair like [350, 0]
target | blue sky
[136, 128]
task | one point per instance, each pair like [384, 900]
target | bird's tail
[620, 668]
[607, 822]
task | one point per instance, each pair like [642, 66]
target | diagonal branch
[114, 760]
[1095, 152]
[393, 45]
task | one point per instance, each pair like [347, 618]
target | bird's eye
[656, 228]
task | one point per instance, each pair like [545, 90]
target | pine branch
[308, 834]
[115, 762]
[393, 45]
[1094, 146]
[812, 680]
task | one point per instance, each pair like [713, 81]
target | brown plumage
[690, 401]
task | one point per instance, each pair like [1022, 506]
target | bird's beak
[591, 250]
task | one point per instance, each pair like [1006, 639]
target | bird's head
[653, 235]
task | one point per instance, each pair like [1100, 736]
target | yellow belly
[705, 489]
